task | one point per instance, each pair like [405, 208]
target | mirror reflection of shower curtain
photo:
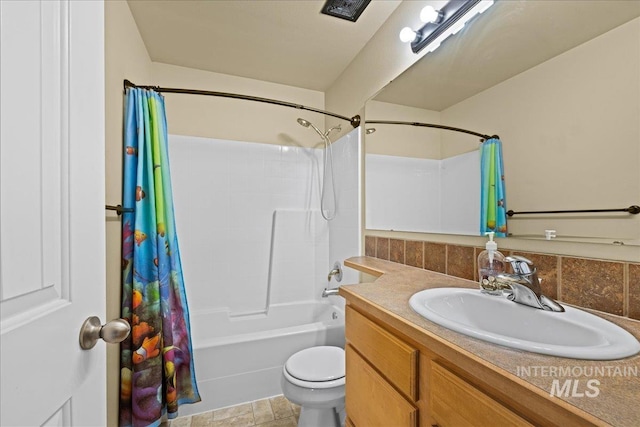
[493, 203]
[157, 372]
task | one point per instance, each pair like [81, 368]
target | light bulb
[429, 14]
[407, 35]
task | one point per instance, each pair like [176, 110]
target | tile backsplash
[608, 286]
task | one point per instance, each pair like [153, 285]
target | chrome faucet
[523, 286]
[328, 292]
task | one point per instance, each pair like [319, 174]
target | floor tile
[202, 420]
[283, 422]
[296, 410]
[243, 420]
[181, 422]
[273, 412]
[281, 407]
[232, 411]
[262, 411]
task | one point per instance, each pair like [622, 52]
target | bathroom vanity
[403, 370]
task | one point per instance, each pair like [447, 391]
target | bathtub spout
[326, 292]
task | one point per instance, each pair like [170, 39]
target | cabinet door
[371, 401]
[454, 402]
[395, 359]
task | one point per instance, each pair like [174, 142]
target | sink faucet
[524, 285]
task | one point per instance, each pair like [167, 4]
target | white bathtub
[239, 359]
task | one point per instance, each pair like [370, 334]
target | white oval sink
[574, 333]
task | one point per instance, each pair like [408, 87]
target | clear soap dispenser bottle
[490, 264]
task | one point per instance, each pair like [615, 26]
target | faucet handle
[336, 271]
[520, 264]
[519, 258]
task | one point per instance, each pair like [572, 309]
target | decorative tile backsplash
[609, 286]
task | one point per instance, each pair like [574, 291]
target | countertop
[618, 400]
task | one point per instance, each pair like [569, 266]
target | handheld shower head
[327, 148]
[307, 123]
[304, 122]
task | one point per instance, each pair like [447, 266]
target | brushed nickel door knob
[92, 329]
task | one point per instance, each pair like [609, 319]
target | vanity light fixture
[440, 24]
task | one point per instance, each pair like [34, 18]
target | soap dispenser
[491, 263]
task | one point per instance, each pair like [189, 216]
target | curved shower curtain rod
[355, 120]
[429, 125]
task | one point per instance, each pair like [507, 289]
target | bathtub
[240, 358]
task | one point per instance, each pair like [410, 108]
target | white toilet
[314, 378]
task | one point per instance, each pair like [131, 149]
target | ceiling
[288, 42]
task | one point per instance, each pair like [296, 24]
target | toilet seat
[316, 367]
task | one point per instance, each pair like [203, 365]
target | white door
[52, 250]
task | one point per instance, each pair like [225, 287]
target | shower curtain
[493, 204]
[156, 364]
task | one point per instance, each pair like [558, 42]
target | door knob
[113, 332]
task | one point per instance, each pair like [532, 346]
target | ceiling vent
[345, 9]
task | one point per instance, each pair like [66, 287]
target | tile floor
[273, 412]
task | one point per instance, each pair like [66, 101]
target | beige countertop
[618, 399]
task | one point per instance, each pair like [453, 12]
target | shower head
[327, 148]
[304, 122]
[307, 123]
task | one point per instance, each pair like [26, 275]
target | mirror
[558, 82]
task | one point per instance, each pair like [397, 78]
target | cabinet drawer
[454, 402]
[370, 400]
[394, 358]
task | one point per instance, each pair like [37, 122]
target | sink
[574, 333]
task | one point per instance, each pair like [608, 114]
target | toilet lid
[322, 363]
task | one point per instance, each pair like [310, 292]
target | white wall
[234, 119]
[345, 230]
[249, 225]
[460, 195]
[226, 194]
[402, 193]
[571, 136]
[423, 195]
[403, 140]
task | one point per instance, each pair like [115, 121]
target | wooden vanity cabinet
[392, 382]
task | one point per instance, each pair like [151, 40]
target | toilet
[314, 378]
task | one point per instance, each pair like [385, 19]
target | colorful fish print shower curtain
[156, 366]
[493, 204]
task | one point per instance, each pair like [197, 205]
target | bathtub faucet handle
[337, 272]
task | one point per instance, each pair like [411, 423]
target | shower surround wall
[226, 194]
[427, 195]
[346, 228]
[256, 253]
